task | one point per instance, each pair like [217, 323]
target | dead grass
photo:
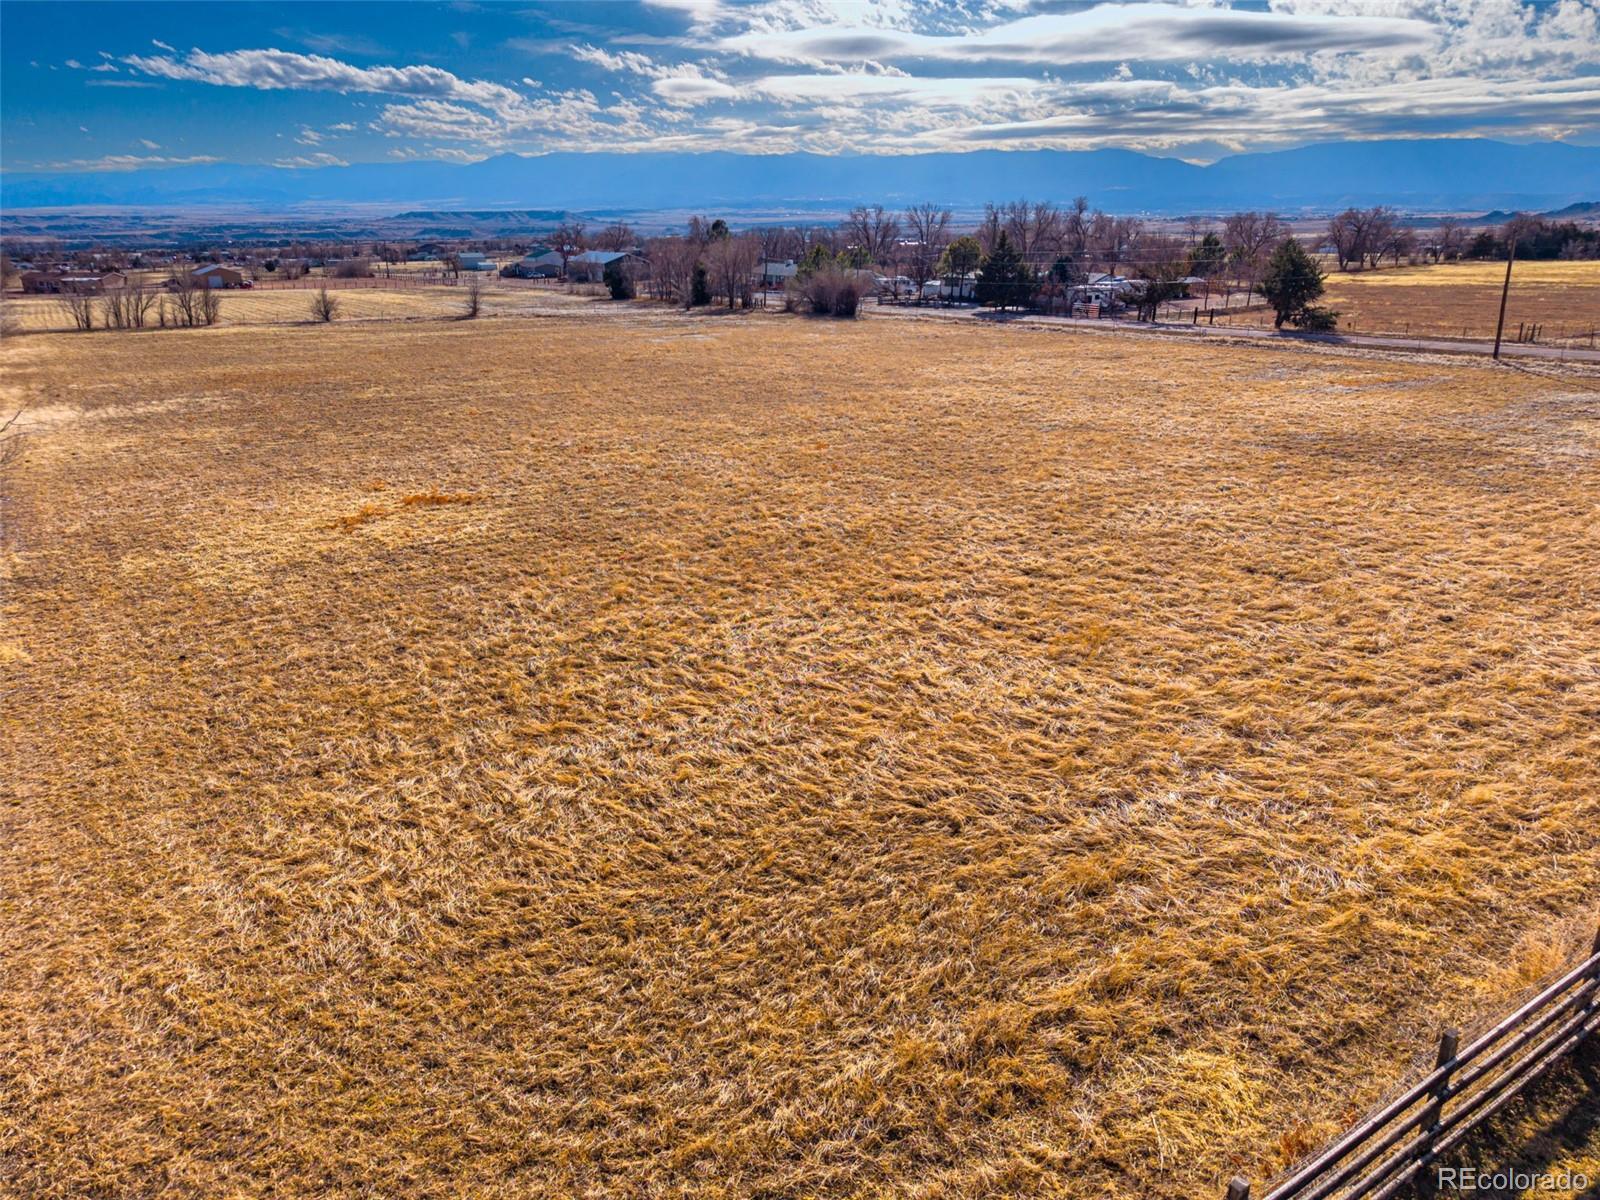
[1451, 297]
[292, 306]
[893, 759]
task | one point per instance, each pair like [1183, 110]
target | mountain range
[1458, 174]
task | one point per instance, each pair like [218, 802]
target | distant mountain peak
[1442, 174]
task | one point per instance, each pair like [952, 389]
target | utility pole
[1505, 290]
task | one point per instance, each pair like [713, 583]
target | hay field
[292, 306]
[752, 757]
[1447, 298]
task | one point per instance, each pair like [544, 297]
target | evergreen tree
[700, 289]
[1291, 283]
[618, 280]
[1208, 258]
[1065, 272]
[960, 259]
[1005, 279]
[818, 258]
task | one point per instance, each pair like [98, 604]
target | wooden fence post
[1238, 1188]
[1448, 1041]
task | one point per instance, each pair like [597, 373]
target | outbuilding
[591, 264]
[215, 275]
[538, 264]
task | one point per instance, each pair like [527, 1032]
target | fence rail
[1393, 1148]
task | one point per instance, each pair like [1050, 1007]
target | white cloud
[149, 145]
[1157, 115]
[624, 60]
[693, 89]
[311, 160]
[702, 14]
[1104, 33]
[899, 76]
[931, 91]
[128, 162]
[281, 70]
[440, 119]
[435, 154]
[679, 83]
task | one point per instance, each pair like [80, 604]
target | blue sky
[115, 86]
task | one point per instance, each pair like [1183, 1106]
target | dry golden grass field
[292, 306]
[734, 757]
[1448, 298]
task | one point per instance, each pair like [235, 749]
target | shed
[592, 264]
[215, 275]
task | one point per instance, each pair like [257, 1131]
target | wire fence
[1394, 1148]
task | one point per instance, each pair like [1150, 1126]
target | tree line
[1021, 253]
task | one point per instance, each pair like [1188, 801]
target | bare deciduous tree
[472, 294]
[1111, 239]
[1343, 233]
[929, 227]
[1034, 229]
[873, 231]
[781, 242]
[184, 295]
[568, 240]
[731, 261]
[1449, 238]
[208, 306]
[617, 236]
[79, 309]
[1075, 229]
[1163, 262]
[1249, 237]
[672, 261]
[324, 305]
[128, 308]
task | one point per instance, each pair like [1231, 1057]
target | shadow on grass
[1553, 1128]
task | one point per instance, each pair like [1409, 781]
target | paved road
[1360, 340]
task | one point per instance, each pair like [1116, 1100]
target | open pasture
[1449, 298]
[749, 756]
[366, 300]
